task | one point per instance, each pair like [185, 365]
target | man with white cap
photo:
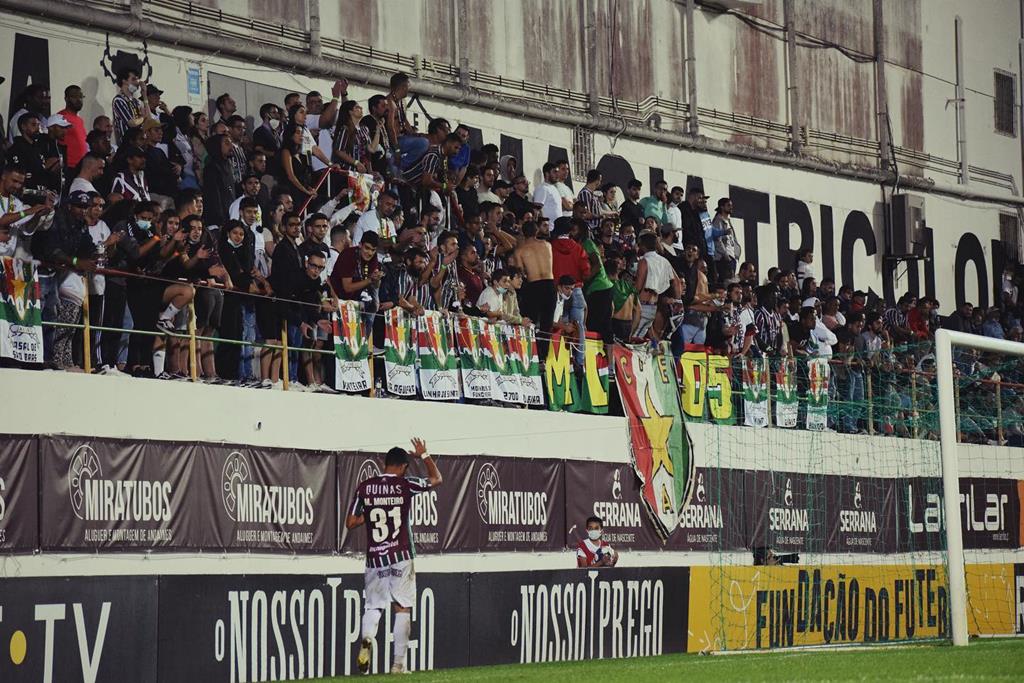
[57, 128]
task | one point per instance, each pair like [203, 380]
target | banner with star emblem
[399, 352]
[660, 447]
[786, 407]
[439, 365]
[755, 392]
[477, 380]
[817, 394]
[21, 317]
[351, 350]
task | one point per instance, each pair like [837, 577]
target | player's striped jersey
[384, 503]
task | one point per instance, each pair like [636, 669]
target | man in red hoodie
[569, 258]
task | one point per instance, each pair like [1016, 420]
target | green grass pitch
[982, 660]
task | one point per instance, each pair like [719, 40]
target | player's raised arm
[419, 448]
[355, 515]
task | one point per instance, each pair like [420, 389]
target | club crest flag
[532, 387]
[477, 378]
[563, 392]
[439, 364]
[21, 318]
[351, 350]
[400, 352]
[818, 373]
[501, 356]
[661, 449]
[755, 392]
[365, 189]
[785, 393]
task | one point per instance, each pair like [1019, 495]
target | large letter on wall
[751, 207]
[787, 212]
[857, 228]
[969, 249]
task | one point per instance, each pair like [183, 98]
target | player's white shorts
[395, 583]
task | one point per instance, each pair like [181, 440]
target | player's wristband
[21, 213]
[425, 456]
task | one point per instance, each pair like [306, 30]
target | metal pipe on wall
[881, 90]
[691, 69]
[259, 51]
[961, 122]
[315, 46]
[793, 92]
[588, 8]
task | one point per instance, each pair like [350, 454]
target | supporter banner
[81, 628]
[567, 389]
[659, 445]
[786, 403]
[273, 627]
[559, 377]
[785, 512]
[439, 364]
[21, 317]
[736, 608]
[594, 392]
[707, 387]
[115, 494]
[400, 352]
[990, 512]
[264, 499]
[531, 385]
[755, 391]
[503, 362]
[432, 512]
[817, 394]
[351, 350]
[551, 616]
[861, 515]
[477, 378]
[19, 494]
[510, 504]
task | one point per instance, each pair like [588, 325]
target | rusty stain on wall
[288, 12]
[757, 91]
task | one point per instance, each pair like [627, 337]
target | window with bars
[1008, 229]
[582, 153]
[1005, 99]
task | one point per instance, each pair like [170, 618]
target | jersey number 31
[385, 523]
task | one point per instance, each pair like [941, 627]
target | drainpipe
[795, 143]
[691, 70]
[195, 38]
[881, 91]
[315, 46]
[961, 122]
[588, 15]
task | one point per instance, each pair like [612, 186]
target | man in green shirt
[656, 206]
[597, 290]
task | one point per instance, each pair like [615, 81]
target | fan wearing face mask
[592, 551]
[129, 107]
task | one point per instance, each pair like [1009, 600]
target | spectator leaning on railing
[451, 229]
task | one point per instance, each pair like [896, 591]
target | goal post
[945, 340]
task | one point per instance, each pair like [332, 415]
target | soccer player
[383, 503]
[592, 551]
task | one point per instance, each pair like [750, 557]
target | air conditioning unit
[908, 223]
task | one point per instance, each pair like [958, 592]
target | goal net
[833, 501]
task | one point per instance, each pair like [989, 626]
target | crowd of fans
[164, 207]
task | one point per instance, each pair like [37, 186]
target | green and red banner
[351, 350]
[21, 317]
[400, 352]
[661, 449]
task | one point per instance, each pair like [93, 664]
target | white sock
[158, 362]
[169, 312]
[403, 625]
[371, 619]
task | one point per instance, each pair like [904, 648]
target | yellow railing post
[86, 329]
[192, 343]
[284, 354]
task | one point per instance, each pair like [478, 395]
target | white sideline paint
[124, 407]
